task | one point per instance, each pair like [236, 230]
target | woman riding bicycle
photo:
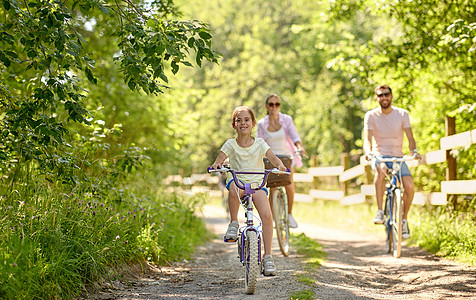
[247, 152]
[278, 130]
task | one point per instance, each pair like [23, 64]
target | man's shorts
[404, 170]
[229, 183]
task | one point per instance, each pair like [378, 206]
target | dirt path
[356, 268]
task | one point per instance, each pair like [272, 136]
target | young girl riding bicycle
[247, 152]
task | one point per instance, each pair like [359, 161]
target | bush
[52, 246]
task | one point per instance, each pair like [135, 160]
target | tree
[49, 52]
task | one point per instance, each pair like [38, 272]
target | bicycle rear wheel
[251, 261]
[397, 216]
[281, 221]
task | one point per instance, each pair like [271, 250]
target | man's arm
[411, 139]
[368, 134]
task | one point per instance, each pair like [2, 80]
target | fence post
[314, 162]
[451, 174]
[344, 161]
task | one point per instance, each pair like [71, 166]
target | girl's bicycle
[249, 236]
[393, 202]
[280, 203]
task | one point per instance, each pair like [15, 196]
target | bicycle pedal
[229, 240]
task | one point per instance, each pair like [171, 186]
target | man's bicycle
[393, 210]
[280, 203]
[249, 236]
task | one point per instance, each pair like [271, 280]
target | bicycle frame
[394, 207]
[247, 203]
[246, 199]
[249, 237]
[392, 226]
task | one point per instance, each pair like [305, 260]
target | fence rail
[344, 175]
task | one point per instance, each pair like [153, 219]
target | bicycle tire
[397, 216]
[251, 261]
[388, 224]
[281, 221]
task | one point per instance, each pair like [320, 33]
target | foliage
[52, 245]
[451, 236]
[82, 108]
[70, 73]
[47, 64]
[425, 50]
[273, 47]
[325, 59]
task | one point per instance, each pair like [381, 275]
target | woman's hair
[272, 96]
[240, 109]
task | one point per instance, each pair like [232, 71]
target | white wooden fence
[451, 186]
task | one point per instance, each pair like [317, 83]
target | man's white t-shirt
[388, 130]
[246, 158]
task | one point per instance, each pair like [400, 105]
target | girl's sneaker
[232, 231]
[269, 268]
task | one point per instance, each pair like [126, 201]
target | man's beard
[386, 105]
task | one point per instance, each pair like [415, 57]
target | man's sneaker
[292, 222]
[405, 229]
[269, 268]
[379, 217]
[232, 231]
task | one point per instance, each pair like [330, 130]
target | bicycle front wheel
[397, 216]
[281, 221]
[388, 223]
[251, 261]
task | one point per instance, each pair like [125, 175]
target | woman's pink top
[292, 136]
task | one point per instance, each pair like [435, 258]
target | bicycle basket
[273, 179]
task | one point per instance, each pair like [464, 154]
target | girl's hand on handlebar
[216, 166]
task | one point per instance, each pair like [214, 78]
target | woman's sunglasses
[277, 104]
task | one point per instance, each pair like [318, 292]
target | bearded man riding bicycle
[384, 128]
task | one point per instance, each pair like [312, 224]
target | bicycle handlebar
[241, 185]
[300, 153]
[394, 159]
[397, 161]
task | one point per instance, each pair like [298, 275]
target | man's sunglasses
[277, 104]
[383, 95]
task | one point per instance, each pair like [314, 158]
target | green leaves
[55, 55]
[6, 5]
[158, 42]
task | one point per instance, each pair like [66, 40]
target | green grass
[53, 245]
[313, 255]
[302, 295]
[449, 235]
[328, 213]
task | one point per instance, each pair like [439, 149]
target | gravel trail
[357, 267]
